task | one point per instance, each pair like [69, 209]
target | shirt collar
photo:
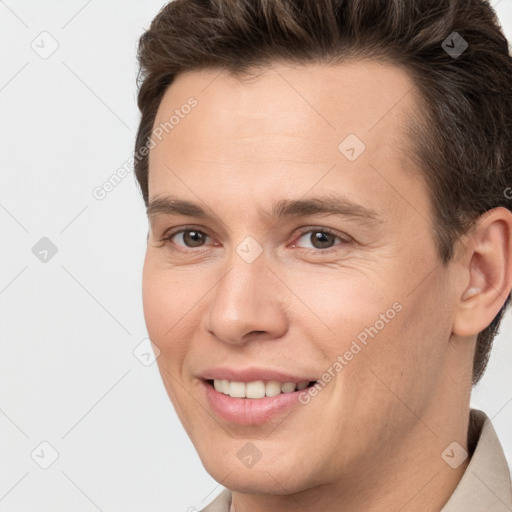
[485, 484]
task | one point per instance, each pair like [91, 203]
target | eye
[189, 237]
[321, 238]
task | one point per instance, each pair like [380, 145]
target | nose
[249, 302]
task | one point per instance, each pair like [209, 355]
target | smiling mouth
[257, 389]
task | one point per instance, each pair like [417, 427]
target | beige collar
[485, 485]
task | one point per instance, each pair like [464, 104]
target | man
[330, 246]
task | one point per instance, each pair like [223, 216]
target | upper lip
[252, 374]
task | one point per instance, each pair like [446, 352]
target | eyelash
[167, 238]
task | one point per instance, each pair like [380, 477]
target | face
[309, 253]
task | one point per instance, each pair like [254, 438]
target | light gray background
[70, 325]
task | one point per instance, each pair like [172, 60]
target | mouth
[256, 390]
[247, 403]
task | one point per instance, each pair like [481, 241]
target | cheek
[162, 307]
[154, 304]
[386, 331]
[172, 309]
[406, 356]
[345, 303]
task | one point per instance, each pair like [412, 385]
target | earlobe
[487, 272]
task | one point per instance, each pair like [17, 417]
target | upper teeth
[257, 388]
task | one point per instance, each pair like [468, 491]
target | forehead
[286, 126]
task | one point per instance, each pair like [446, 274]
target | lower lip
[249, 411]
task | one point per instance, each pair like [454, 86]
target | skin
[372, 438]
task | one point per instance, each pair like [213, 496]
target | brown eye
[319, 239]
[193, 238]
[322, 240]
[187, 238]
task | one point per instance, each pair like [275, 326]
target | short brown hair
[463, 142]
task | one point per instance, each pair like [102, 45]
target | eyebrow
[285, 208]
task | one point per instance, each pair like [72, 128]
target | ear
[486, 272]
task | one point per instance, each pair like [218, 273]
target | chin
[278, 478]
